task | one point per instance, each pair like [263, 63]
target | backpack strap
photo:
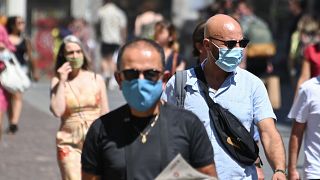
[179, 84]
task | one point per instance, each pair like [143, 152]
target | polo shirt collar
[192, 78]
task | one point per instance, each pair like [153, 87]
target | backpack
[261, 41]
[235, 138]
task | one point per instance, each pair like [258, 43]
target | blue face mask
[141, 94]
[229, 59]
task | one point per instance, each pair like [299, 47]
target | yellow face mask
[76, 63]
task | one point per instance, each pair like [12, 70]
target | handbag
[261, 50]
[13, 78]
[235, 138]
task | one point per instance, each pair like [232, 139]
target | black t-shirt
[104, 151]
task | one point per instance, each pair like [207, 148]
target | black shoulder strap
[129, 162]
[163, 138]
[179, 84]
[203, 85]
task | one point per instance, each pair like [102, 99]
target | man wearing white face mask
[235, 89]
[139, 139]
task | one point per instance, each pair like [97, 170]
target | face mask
[141, 94]
[76, 63]
[229, 59]
[5, 55]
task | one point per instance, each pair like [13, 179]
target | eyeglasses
[232, 43]
[150, 74]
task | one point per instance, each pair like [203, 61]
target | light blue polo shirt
[244, 95]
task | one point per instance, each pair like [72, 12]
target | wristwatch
[280, 171]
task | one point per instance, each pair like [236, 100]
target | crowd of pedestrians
[233, 52]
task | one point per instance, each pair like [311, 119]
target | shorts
[108, 49]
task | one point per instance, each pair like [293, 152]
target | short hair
[61, 59]
[147, 43]
[197, 37]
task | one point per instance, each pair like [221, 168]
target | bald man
[237, 90]
[139, 139]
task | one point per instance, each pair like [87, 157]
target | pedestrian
[260, 51]
[235, 89]
[15, 28]
[6, 47]
[197, 38]
[166, 36]
[139, 139]
[311, 61]
[306, 114]
[113, 32]
[78, 97]
[146, 20]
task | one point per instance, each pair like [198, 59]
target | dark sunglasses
[150, 74]
[232, 43]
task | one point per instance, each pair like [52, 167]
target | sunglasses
[150, 74]
[232, 43]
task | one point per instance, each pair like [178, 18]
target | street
[31, 153]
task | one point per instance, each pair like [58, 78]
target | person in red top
[311, 62]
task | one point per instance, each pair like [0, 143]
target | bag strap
[174, 62]
[179, 84]
[163, 139]
[203, 84]
[129, 162]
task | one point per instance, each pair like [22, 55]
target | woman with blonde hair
[78, 97]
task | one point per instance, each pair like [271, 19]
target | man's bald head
[222, 26]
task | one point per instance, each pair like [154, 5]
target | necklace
[145, 135]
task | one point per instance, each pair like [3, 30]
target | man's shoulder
[311, 84]
[245, 75]
[116, 116]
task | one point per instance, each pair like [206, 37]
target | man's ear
[206, 44]
[118, 78]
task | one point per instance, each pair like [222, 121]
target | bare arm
[273, 146]
[305, 74]
[86, 176]
[57, 101]
[104, 97]
[209, 170]
[294, 148]
[34, 69]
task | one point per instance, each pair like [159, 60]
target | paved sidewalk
[30, 154]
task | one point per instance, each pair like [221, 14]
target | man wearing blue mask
[139, 139]
[235, 89]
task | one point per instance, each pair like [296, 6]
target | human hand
[279, 176]
[260, 173]
[293, 174]
[64, 71]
